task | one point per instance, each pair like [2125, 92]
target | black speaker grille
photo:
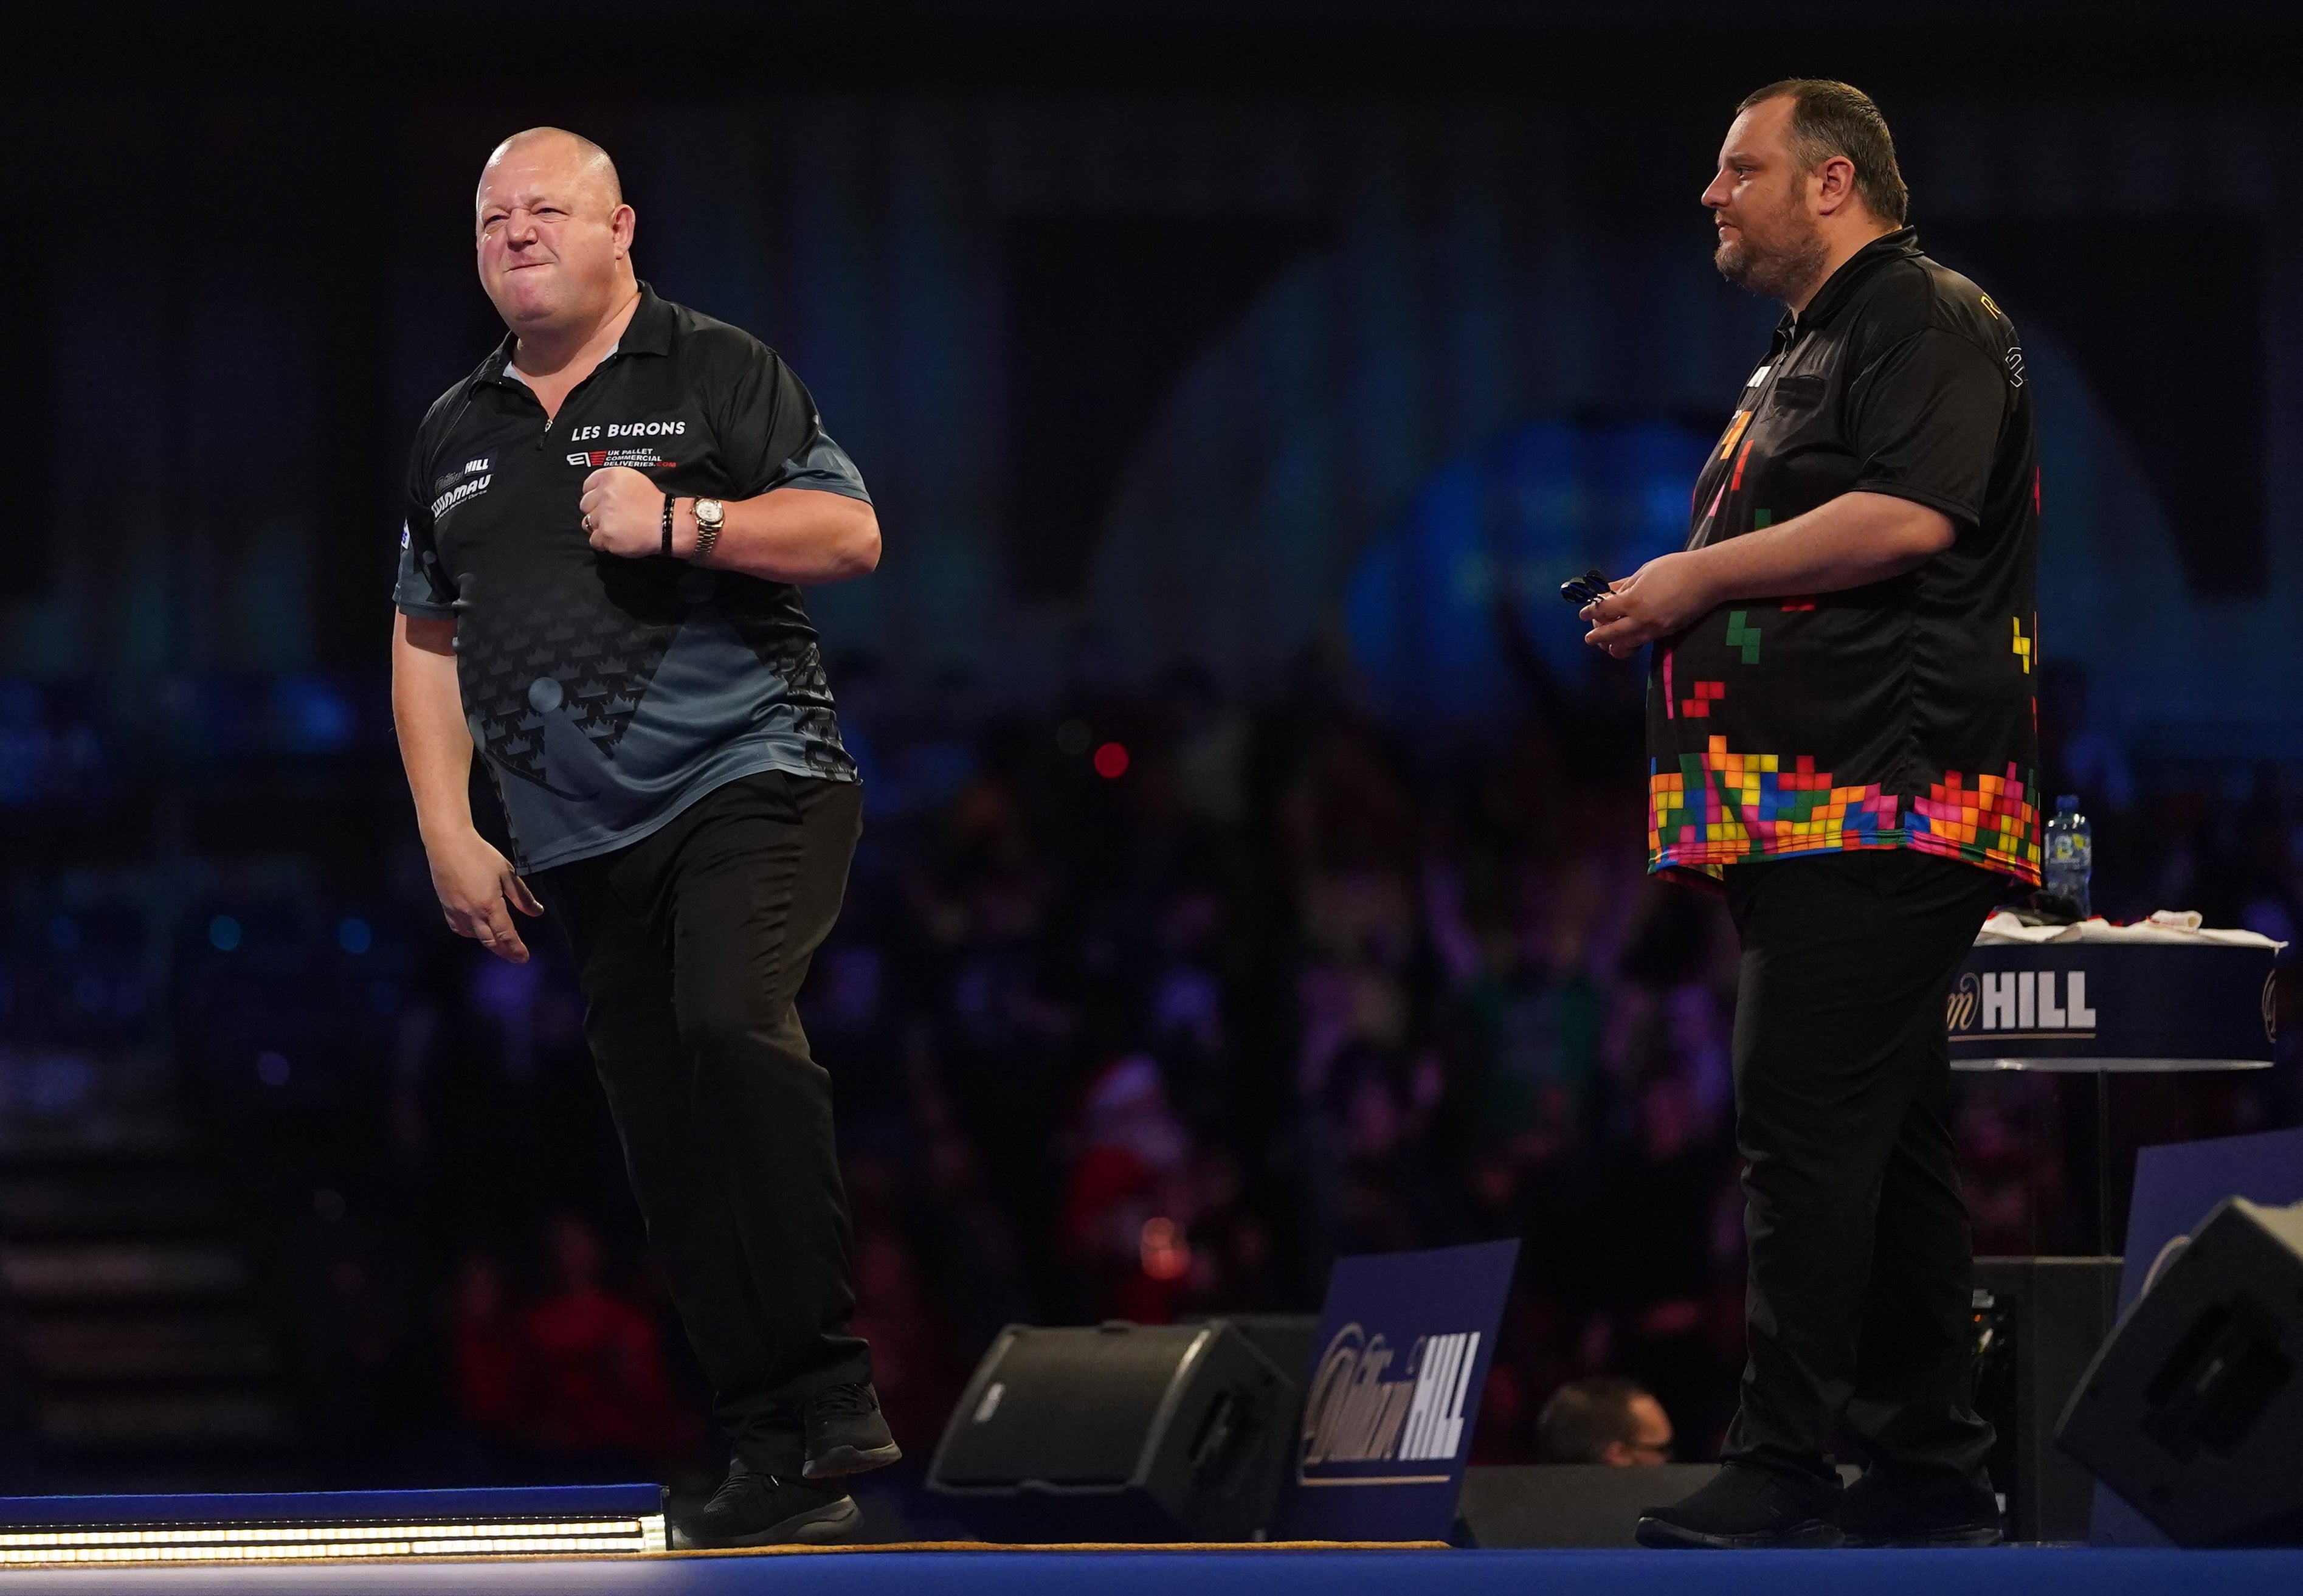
[1068, 1406]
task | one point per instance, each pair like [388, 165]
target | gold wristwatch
[709, 514]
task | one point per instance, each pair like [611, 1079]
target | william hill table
[2100, 1000]
[2086, 1005]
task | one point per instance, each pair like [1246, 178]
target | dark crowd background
[1182, 955]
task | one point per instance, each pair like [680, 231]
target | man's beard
[1776, 271]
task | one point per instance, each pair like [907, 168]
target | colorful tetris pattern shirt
[1899, 714]
[606, 693]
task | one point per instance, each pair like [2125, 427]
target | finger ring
[587, 523]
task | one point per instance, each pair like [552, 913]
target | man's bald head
[577, 158]
[553, 234]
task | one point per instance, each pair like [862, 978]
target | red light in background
[1111, 761]
[1163, 1251]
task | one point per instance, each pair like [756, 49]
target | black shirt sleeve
[767, 417]
[1924, 423]
[420, 589]
[824, 466]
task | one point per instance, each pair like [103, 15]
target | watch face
[708, 512]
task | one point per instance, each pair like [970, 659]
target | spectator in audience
[597, 1388]
[490, 1355]
[1604, 1419]
[1129, 1203]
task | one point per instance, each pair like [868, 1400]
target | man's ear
[621, 225]
[1835, 185]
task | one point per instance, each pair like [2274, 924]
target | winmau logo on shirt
[456, 496]
[1355, 1415]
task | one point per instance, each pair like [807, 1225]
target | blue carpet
[1999, 1572]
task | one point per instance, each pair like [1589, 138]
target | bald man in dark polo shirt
[609, 523]
[1841, 721]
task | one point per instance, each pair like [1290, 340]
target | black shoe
[846, 1435]
[1894, 1508]
[1746, 1507]
[751, 1509]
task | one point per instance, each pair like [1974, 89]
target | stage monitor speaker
[1288, 1340]
[2193, 1411]
[2038, 1321]
[1118, 1432]
[1569, 1503]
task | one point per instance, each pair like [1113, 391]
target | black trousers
[1858, 1305]
[690, 946]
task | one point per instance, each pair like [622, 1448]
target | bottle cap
[2068, 804]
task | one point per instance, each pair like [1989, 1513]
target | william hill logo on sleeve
[1391, 1403]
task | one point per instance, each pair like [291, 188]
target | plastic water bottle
[2070, 854]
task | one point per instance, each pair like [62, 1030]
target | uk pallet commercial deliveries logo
[1354, 1415]
[638, 460]
[2023, 1005]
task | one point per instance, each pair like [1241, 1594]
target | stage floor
[2002, 1571]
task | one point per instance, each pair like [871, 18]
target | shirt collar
[648, 333]
[1902, 244]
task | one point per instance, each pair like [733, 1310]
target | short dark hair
[1582, 1416]
[1831, 119]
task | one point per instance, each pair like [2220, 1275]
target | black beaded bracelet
[667, 526]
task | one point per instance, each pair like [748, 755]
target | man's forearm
[1854, 539]
[427, 713]
[804, 535]
[1846, 542]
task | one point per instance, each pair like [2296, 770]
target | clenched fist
[623, 513]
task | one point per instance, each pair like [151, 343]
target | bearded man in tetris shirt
[608, 526]
[1841, 720]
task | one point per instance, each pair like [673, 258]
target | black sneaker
[1745, 1507]
[846, 1435]
[752, 1509]
[1893, 1508]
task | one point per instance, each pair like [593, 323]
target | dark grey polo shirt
[608, 693]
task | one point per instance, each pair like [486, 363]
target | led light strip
[176, 1536]
[254, 1544]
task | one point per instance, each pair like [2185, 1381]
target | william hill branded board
[1393, 1393]
[2114, 1001]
